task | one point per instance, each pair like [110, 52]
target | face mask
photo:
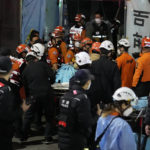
[89, 86]
[77, 44]
[127, 112]
[98, 20]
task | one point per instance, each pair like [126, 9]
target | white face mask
[98, 20]
[89, 86]
[77, 44]
[128, 111]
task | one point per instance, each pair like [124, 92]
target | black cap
[82, 76]
[5, 64]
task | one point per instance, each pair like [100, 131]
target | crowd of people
[105, 86]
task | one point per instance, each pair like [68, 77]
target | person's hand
[147, 129]
[24, 106]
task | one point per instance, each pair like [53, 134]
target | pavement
[35, 143]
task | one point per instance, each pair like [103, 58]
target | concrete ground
[35, 143]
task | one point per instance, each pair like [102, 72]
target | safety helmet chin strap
[119, 106]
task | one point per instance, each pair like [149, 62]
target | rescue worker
[82, 61]
[9, 108]
[22, 50]
[37, 80]
[95, 51]
[79, 27]
[141, 78]
[86, 44]
[75, 117]
[97, 29]
[69, 58]
[107, 76]
[60, 40]
[126, 63]
[117, 134]
[55, 55]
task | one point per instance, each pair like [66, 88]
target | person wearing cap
[75, 115]
[9, 108]
[117, 133]
[141, 78]
[125, 63]
[37, 79]
[107, 75]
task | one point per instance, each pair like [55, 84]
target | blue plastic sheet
[33, 17]
[65, 73]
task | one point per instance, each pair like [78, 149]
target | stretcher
[60, 88]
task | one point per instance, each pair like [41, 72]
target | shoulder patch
[55, 53]
[68, 56]
[1, 84]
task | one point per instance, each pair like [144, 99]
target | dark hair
[30, 58]
[86, 66]
[104, 51]
[34, 32]
[98, 12]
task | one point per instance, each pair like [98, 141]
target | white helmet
[33, 54]
[83, 58]
[126, 94]
[38, 48]
[123, 42]
[108, 45]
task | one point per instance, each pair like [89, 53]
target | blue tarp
[33, 17]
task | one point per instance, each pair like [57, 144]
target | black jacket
[147, 119]
[75, 119]
[94, 29]
[9, 109]
[107, 80]
[37, 79]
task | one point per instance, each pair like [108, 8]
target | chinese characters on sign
[139, 20]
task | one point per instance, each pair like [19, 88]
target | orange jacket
[142, 71]
[63, 48]
[126, 65]
[69, 56]
[53, 55]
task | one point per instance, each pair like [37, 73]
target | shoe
[48, 140]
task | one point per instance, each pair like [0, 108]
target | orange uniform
[69, 56]
[142, 72]
[63, 48]
[126, 65]
[53, 55]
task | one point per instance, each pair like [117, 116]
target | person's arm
[147, 119]
[138, 72]
[84, 113]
